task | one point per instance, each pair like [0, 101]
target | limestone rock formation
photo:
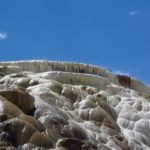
[71, 106]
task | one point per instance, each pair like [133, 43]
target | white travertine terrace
[71, 106]
[38, 66]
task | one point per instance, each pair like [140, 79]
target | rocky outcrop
[124, 81]
[21, 99]
[70, 106]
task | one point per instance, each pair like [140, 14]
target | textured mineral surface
[71, 106]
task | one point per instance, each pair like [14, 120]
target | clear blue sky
[111, 33]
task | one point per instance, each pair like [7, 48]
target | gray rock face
[70, 106]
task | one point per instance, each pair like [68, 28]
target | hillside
[71, 106]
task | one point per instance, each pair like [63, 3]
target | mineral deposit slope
[71, 106]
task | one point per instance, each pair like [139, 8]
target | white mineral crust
[71, 106]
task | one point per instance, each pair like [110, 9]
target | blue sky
[114, 34]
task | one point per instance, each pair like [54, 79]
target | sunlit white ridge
[80, 68]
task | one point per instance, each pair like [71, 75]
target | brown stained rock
[8, 108]
[124, 80]
[5, 145]
[89, 146]
[54, 121]
[109, 130]
[31, 120]
[84, 114]
[41, 140]
[18, 130]
[69, 93]
[108, 109]
[3, 117]
[65, 132]
[91, 90]
[74, 130]
[70, 144]
[21, 99]
[53, 135]
[100, 115]
[100, 97]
